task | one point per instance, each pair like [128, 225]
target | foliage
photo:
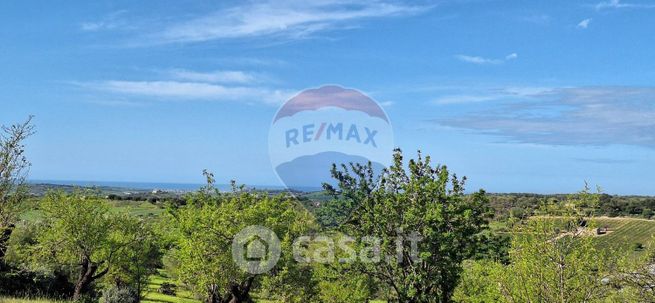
[478, 284]
[204, 229]
[522, 206]
[425, 200]
[139, 257]
[13, 173]
[79, 231]
[120, 295]
[550, 261]
[341, 285]
[167, 288]
[638, 275]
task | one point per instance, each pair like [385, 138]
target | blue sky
[520, 96]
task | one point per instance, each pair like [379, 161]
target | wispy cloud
[569, 116]
[460, 99]
[228, 76]
[116, 103]
[618, 4]
[491, 95]
[112, 21]
[189, 91]
[537, 19]
[482, 60]
[584, 23]
[604, 160]
[292, 19]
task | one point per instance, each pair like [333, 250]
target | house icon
[256, 249]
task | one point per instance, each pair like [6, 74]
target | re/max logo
[331, 131]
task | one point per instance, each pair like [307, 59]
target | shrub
[120, 295]
[638, 246]
[167, 289]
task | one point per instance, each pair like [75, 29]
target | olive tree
[13, 173]
[204, 230]
[80, 231]
[414, 201]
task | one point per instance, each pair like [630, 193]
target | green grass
[625, 231]
[153, 296]
[15, 300]
[136, 208]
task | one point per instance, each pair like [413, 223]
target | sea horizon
[167, 186]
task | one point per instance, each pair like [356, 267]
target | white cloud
[178, 90]
[487, 95]
[214, 76]
[584, 23]
[459, 99]
[112, 21]
[601, 115]
[482, 60]
[287, 18]
[537, 19]
[618, 4]
[477, 59]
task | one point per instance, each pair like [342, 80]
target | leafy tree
[552, 259]
[204, 230]
[79, 231]
[13, 173]
[478, 283]
[139, 257]
[341, 285]
[638, 277]
[550, 266]
[423, 199]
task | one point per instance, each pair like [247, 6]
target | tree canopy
[417, 200]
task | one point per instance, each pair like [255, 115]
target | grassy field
[153, 296]
[136, 208]
[12, 300]
[622, 232]
[625, 231]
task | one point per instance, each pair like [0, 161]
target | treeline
[522, 205]
[154, 199]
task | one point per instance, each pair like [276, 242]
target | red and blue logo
[326, 125]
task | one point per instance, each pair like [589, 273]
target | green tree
[552, 259]
[78, 230]
[204, 230]
[638, 277]
[550, 264]
[139, 257]
[13, 173]
[426, 200]
[478, 282]
[342, 285]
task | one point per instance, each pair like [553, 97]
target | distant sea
[152, 185]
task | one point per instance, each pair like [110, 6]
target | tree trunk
[213, 295]
[4, 238]
[87, 276]
[240, 293]
[446, 293]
